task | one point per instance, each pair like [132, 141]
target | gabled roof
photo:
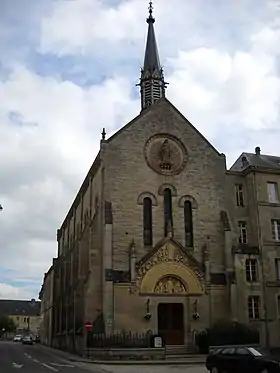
[19, 307]
[154, 107]
[258, 161]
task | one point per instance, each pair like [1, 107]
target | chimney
[258, 150]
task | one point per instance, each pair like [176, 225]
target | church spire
[152, 82]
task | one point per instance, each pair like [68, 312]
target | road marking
[29, 357]
[63, 365]
[51, 368]
[36, 361]
[18, 366]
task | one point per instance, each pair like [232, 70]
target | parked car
[233, 359]
[27, 340]
[18, 338]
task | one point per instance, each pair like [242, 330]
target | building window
[277, 268]
[188, 224]
[254, 307]
[278, 306]
[242, 232]
[251, 270]
[275, 227]
[168, 221]
[239, 195]
[273, 193]
[147, 222]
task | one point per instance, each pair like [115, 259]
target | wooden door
[171, 323]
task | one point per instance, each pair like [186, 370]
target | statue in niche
[165, 155]
[170, 285]
[159, 287]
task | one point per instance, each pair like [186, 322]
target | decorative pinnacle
[103, 134]
[151, 8]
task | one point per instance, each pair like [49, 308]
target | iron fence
[119, 340]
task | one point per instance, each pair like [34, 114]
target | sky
[69, 68]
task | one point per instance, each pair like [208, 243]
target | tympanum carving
[170, 285]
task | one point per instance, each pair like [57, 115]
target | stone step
[178, 350]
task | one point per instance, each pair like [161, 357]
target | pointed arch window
[188, 224]
[168, 219]
[147, 221]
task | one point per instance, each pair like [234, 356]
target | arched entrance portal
[171, 323]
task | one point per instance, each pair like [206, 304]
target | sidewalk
[189, 360]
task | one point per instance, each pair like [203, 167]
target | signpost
[88, 326]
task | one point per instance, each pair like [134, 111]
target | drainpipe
[267, 339]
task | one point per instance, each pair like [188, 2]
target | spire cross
[151, 9]
[150, 19]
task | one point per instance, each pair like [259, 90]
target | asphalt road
[32, 359]
[39, 359]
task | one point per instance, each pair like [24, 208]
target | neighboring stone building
[162, 237]
[254, 180]
[46, 311]
[25, 313]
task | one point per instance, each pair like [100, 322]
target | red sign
[88, 326]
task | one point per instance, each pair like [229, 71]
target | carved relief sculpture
[170, 285]
[168, 253]
[165, 154]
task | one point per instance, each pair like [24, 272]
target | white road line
[51, 368]
[63, 365]
[29, 357]
[36, 361]
[18, 366]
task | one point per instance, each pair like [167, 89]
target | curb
[141, 362]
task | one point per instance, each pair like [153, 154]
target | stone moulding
[149, 195]
[171, 271]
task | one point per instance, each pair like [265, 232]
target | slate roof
[261, 161]
[19, 307]
[151, 60]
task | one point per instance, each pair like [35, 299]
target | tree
[7, 324]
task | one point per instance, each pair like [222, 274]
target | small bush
[226, 333]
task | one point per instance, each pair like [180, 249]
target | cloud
[11, 292]
[78, 75]
[43, 163]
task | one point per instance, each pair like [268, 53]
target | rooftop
[19, 307]
[256, 160]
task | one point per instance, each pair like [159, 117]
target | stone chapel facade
[162, 237]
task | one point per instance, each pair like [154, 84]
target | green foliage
[7, 324]
[226, 333]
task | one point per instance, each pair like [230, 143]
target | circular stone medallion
[165, 154]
